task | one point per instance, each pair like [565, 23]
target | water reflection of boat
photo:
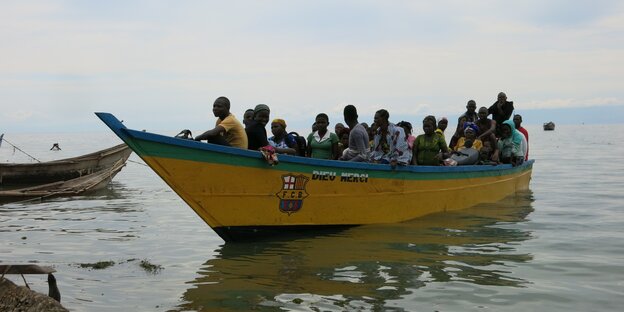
[63, 169]
[365, 267]
[241, 197]
[549, 126]
[86, 183]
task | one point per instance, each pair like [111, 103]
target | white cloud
[412, 58]
[571, 103]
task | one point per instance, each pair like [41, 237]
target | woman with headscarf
[256, 132]
[283, 142]
[510, 147]
[470, 134]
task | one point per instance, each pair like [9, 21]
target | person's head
[469, 132]
[407, 127]
[262, 114]
[221, 107]
[278, 127]
[248, 116]
[517, 119]
[506, 129]
[432, 119]
[460, 123]
[429, 126]
[372, 130]
[344, 137]
[502, 97]
[442, 124]
[338, 128]
[350, 116]
[381, 118]
[468, 143]
[471, 106]
[322, 121]
[485, 151]
[487, 145]
[483, 113]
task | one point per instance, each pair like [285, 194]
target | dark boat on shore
[63, 169]
[77, 186]
[549, 126]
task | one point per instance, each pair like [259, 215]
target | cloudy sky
[159, 65]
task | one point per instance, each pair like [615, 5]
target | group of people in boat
[488, 133]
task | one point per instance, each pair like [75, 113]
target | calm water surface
[557, 247]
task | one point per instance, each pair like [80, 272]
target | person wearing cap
[282, 141]
[256, 131]
[228, 130]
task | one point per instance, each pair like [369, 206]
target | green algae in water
[149, 267]
[98, 265]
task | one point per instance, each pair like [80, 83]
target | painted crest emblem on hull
[292, 193]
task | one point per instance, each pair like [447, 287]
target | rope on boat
[19, 149]
[136, 162]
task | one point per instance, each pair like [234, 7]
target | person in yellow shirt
[228, 130]
[470, 134]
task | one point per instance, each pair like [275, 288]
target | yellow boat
[241, 197]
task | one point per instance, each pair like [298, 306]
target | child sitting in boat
[485, 154]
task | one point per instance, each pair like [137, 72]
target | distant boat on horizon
[549, 126]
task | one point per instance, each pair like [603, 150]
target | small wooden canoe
[63, 169]
[241, 197]
[90, 182]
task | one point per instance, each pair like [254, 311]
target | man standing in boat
[228, 130]
[501, 111]
[358, 137]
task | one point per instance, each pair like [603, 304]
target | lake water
[558, 247]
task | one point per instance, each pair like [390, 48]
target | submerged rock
[19, 298]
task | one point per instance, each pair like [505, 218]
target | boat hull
[238, 194]
[549, 126]
[77, 186]
[64, 169]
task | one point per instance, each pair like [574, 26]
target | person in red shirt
[517, 119]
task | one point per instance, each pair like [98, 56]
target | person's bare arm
[210, 133]
[488, 132]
